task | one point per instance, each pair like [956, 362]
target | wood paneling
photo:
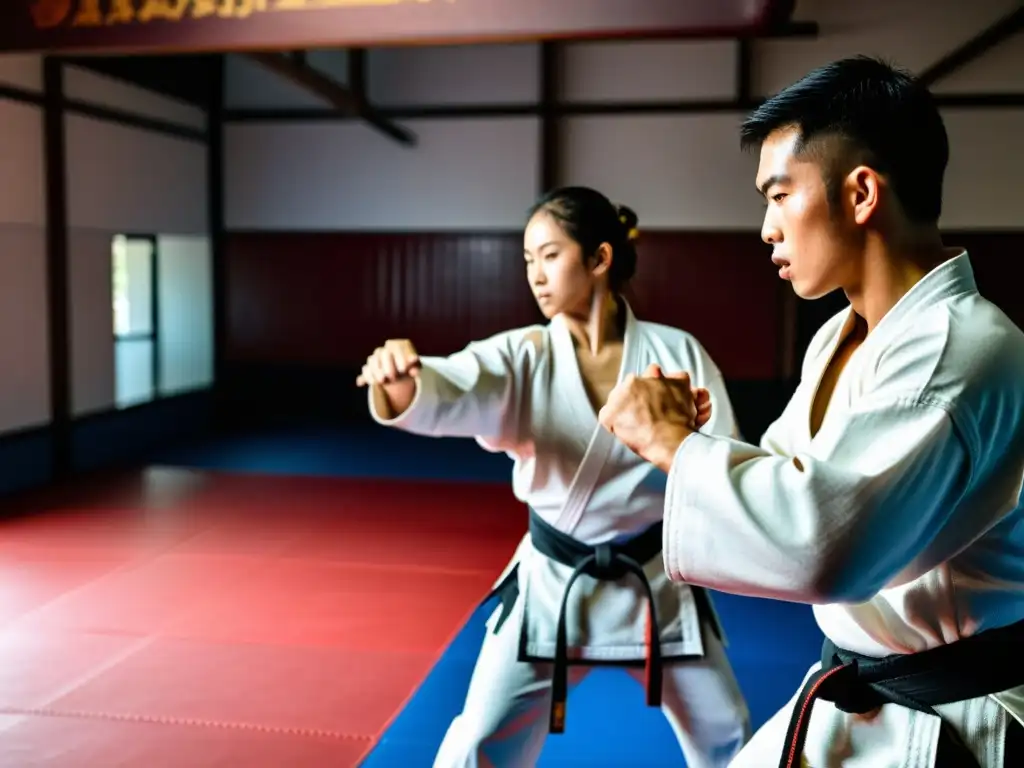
[305, 310]
[722, 288]
[329, 299]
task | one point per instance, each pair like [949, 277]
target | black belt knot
[976, 666]
[606, 562]
[605, 565]
[845, 688]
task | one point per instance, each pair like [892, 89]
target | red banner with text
[178, 26]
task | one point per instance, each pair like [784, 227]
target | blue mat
[363, 452]
[608, 724]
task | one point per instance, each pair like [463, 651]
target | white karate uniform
[521, 392]
[901, 521]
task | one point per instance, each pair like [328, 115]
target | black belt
[976, 666]
[606, 562]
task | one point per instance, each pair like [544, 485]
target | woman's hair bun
[630, 221]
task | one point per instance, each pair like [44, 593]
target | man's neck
[888, 272]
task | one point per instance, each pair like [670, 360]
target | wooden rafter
[998, 32]
[344, 99]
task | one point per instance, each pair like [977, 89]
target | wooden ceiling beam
[336, 94]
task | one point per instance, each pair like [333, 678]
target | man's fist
[701, 396]
[651, 415]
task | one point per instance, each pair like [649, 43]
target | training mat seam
[157, 720]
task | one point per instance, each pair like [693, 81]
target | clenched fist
[652, 414]
[395, 361]
[701, 396]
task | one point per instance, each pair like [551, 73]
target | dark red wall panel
[722, 288]
[996, 260]
[331, 298]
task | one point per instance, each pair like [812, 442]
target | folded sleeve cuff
[683, 542]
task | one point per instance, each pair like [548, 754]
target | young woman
[588, 585]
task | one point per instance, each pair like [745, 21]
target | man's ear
[862, 190]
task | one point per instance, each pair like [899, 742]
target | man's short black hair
[882, 116]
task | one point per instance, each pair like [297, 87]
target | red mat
[184, 618]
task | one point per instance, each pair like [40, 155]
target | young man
[888, 494]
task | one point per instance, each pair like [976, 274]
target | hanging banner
[182, 26]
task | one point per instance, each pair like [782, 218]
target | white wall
[495, 74]
[22, 71]
[678, 171]
[24, 326]
[121, 179]
[327, 175]
[248, 85]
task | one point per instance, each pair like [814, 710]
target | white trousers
[504, 721]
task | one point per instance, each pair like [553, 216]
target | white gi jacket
[521, 392]
[901, 521]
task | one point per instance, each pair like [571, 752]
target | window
[134, 274]
[163, 316]
[185, 341]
